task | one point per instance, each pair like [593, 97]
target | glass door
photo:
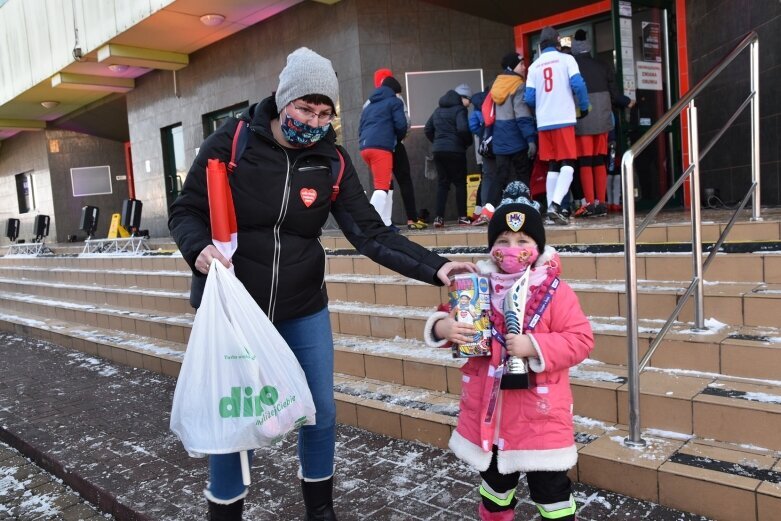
[173, 161]
[647, 70]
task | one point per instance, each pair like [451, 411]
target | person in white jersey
[553, 88]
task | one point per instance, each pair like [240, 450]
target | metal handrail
[692, 174]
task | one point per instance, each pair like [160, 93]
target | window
[25, 192]
[213, 120]
[91, 180]
[174, 166]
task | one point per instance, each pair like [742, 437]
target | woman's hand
[204, 260]
[519, 345]
[454, 267]
[453, 331]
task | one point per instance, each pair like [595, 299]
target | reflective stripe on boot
[561, 511]
[496, 506]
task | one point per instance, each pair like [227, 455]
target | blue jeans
[311, 340]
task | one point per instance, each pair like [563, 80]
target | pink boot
[486, 515]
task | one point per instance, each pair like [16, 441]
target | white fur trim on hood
[428, 330]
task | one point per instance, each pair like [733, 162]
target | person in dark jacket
[383, 124]
[402, 173]
[591, 131]
[515, 135]
[281, 189]
[448, 131]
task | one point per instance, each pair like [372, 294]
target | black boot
[319, 500]
[231, 512]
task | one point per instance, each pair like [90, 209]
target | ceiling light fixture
[49, 104]
[118, 67]
[212, 20]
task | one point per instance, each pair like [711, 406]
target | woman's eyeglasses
[307, 115]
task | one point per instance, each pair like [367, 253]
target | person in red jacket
[530, 430]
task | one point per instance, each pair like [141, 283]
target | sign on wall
[652, 49]
[91, 180]
[649, 76]
[424, 89]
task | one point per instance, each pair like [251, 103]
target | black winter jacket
[280, 259]
[603, 94]
[448, 128]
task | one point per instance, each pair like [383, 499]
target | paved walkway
[27, 492]
[102, 428]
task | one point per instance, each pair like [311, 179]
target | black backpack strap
[337, 171]
[240, 138]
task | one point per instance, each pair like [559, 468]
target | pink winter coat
[532, 428]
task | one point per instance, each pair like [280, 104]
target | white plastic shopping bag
[240, 386]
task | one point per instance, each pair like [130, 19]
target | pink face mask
[514, 259]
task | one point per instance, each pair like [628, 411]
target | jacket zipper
[272, 300]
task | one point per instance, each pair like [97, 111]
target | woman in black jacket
[448, 131]
[281, 191]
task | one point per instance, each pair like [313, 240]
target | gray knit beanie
[306, 73]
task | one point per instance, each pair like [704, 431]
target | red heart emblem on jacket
[308, 195]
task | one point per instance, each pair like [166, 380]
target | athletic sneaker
[439, 222]
[420, 224]
[583, 211]
[556, 215]
[481, 220]
[464, 221]
[600, 210]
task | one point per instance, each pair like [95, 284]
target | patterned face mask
[513, 259]
[302, 134]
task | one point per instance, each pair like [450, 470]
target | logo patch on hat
[515, 220]
[308, 195]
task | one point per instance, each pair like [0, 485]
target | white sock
[378, 201]
[562, 183]
[387, 211]
[550, 185]
[616, 189]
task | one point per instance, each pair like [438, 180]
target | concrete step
[745, 351]
[729, 267]
[104, 262]
[153, 324]
[126, 278]
[739, 303]
[152, 300]
[590, 232]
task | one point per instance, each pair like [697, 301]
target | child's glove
[532, 149]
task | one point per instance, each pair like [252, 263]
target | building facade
[150, 80]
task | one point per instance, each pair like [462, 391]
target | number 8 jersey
[553, 87]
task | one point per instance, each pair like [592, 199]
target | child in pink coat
[521, 430]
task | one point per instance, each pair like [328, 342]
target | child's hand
[453, 331]
[520, 345]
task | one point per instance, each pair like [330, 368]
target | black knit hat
[511, 60]
[549, 38]
[517, 212]
[393, 83]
